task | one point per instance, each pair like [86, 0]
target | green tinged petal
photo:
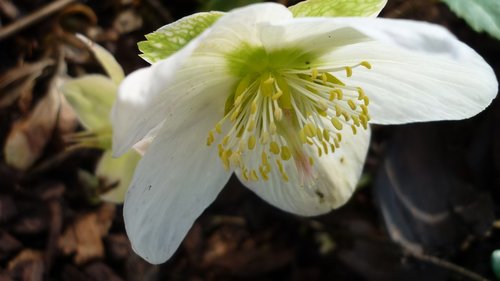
[117, 173]
[172, 37]
[481, 15]
[338, 8]
[106, 59]
[91, 97]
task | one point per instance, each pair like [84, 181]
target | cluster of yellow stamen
[279, 118]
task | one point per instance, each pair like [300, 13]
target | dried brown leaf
[28, 136]
[19, 82]
[84, 237]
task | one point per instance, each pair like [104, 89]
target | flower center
[277, 118]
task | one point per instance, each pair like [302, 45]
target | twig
[33, 18]
[448, 265]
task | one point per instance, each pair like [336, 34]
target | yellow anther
[323, 113]
[348, 71]
[253, 175]
[351, 104]
[320, 152]
[244, 174]
[263, 173]
[333, 95]
[336, 123]
[319, 134]
[282, 170]
[339, 136]
[364, 109]
[354, 131]
[346, 116]
[210, 138]
[334, 80]
[361, 93]
[254, 107]
[332, 147]
[366, 100]
[274, 148]
[264, 138]
[277, 95]
[311, 161]
[251, 142]
[225, 140]
[338, 110]
[364, 121]
[285, 153]
[235, 159]
[326, 135]
[355, 119]
[314, 73]
[366, 64]
[325, 147]
[324, 78]
[220, 149]
[218, 128]
[278, 113]
[310, 130]
[264, 158]
[340, 94]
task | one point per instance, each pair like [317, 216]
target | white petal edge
[241, 26]
[421, 72]
[178, 177]
[338, 174]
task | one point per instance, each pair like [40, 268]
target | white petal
[149, 95]
[176, 180]
[315, 35]
[241, 26]
[337, 176]
[420, 72]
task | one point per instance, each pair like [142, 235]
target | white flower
[285, 104]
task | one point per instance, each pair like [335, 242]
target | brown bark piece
[84, 237]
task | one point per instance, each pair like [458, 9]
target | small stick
[33, 18]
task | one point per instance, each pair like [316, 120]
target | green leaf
[481, 15]
[172, 37]
[226, 5]
[338, 8]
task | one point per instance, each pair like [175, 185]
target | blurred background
[426, 207]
